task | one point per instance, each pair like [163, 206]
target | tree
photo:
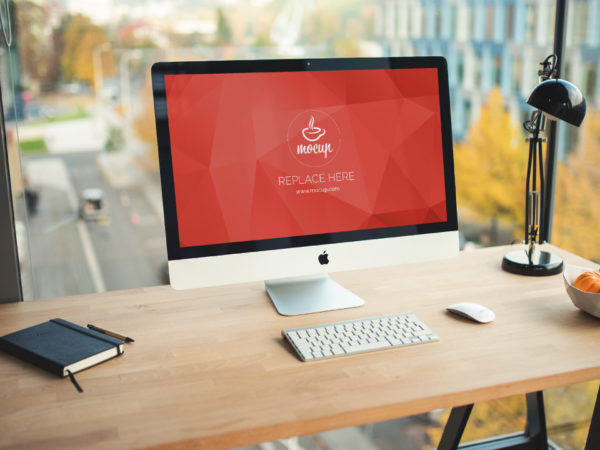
[223, 33]
[322, 27]
[144, 127]
[349, 46]
[339, 24]
[575, 226]
[80, 39]
[133, 35]
[37, 53]
[490, 166]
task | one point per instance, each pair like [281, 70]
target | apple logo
[324, 258]
[312, 133]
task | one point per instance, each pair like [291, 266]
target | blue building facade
[494, 43]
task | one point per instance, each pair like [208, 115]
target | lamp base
[541, 263]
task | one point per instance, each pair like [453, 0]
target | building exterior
[494, 42]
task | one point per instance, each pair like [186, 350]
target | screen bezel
[176, 252]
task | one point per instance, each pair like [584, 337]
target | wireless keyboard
[357, 336]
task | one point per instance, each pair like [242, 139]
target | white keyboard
[356, 336]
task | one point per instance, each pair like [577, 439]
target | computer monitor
[285, 170]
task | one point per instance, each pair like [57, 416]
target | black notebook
[61, 347]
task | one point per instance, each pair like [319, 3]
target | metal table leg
[535, 429]
[535, 436]
[453, 431]
[593, 438]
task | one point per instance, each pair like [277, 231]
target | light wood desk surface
[209, 368]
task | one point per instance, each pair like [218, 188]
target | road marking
[90, 257]
[53, 172]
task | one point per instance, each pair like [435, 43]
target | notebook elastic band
[82, 330]
[74, 381]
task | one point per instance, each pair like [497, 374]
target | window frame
[10, 275]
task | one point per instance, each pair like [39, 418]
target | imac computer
[285, 170]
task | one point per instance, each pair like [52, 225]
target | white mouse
[473, 311]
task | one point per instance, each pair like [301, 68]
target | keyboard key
[366, 347]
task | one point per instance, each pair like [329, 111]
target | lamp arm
[533, 195]
[527, 239]
[542, 193]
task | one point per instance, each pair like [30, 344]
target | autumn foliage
[80, 39]
[576, 216]
[490, 166]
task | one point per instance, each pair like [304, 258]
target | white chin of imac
[296, 275]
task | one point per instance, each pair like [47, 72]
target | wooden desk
[209, 368]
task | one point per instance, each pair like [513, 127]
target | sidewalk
[122, 171]
[79, 135]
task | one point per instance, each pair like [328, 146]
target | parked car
[93, 205]
[36, 111]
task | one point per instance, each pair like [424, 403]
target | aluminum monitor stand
[304, 295]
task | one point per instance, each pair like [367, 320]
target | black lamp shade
[559, 99]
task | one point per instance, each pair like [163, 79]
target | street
[125, 249]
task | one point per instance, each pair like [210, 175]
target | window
[579, 22]
[489, 21]
[438, 21]
[76, 86]
[510, 22]
[84, 166]
[530, 22]
[451, 22]
[497, 70]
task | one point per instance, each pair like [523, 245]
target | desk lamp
[554, 99]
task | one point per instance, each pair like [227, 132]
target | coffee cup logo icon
[312, 133]
[314, 138]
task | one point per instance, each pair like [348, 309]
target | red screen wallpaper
[268, 155]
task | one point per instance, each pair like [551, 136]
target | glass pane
[493, 51]
[77, 83]
[87, 135]
[577, 182]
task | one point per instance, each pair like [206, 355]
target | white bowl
[586, 301]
